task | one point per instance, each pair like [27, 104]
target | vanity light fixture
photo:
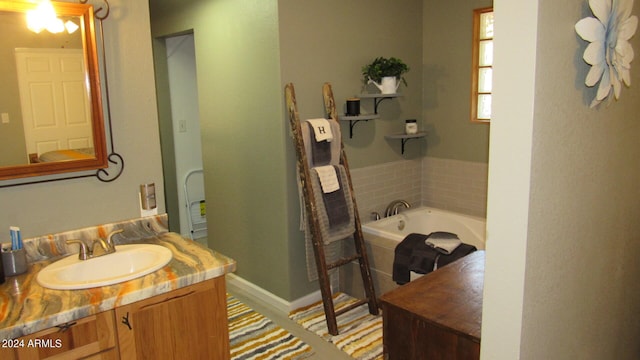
[44, 17]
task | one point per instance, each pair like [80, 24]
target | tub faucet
[392, 208]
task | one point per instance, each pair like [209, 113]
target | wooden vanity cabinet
[92, 337]
[188, 323]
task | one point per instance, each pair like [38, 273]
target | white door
[55, 100]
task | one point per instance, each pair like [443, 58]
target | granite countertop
[26, 307]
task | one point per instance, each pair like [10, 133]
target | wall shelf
[353, 120]
[406, 137]
[377, 99]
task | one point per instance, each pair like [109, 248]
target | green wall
[330, 41]
[447, 34]
[243, 133]
[52, 207]
[246, 52]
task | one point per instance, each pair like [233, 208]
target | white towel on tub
[444, 242]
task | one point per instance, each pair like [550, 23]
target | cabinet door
[397, 333]
[405, 336]
[188, 323]
[93, 335]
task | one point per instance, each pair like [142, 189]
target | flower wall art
[609, 52]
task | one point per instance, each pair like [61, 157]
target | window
[482, 73]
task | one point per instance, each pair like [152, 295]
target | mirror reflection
[51, 117]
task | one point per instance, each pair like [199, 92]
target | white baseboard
[240, 286]
[306, 300]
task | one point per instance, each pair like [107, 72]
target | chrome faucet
[109, 237]
[83, 252]
[98, 247]
[392, 208]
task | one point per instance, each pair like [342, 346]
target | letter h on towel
[321, 129]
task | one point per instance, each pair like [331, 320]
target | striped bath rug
[359, 333]
[253, 336]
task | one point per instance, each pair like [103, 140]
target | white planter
[388, 85]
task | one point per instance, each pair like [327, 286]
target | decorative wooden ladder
[314, 224]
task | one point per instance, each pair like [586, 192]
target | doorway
[54, 80]
[186, 149]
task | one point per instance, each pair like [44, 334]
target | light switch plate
[5, 118]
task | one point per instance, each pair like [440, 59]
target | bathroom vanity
[437, 316]
[179, 309]
[147, 329]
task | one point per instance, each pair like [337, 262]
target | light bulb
[34, 21]
[44, 17]
[71, 26]
[55, 26]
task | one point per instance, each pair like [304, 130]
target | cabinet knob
[65, 327]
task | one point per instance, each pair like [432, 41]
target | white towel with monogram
[321, 129]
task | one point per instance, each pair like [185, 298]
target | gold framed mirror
[51, 114]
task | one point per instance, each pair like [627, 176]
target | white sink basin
[128, 262]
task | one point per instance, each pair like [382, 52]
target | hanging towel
[335, 204]
[336, 217]
[444, 242]
[320, 150]
[316, 152]
[328, 178]
[335, 209]
[322, 129]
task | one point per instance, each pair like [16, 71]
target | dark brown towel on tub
[412, 254]
[320, 150]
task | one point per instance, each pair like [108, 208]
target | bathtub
[424, 220]
[382, 236]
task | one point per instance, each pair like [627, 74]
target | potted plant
[385, 73]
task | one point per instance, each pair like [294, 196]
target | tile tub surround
[26, 307]
[376, 186]
[455, 185]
